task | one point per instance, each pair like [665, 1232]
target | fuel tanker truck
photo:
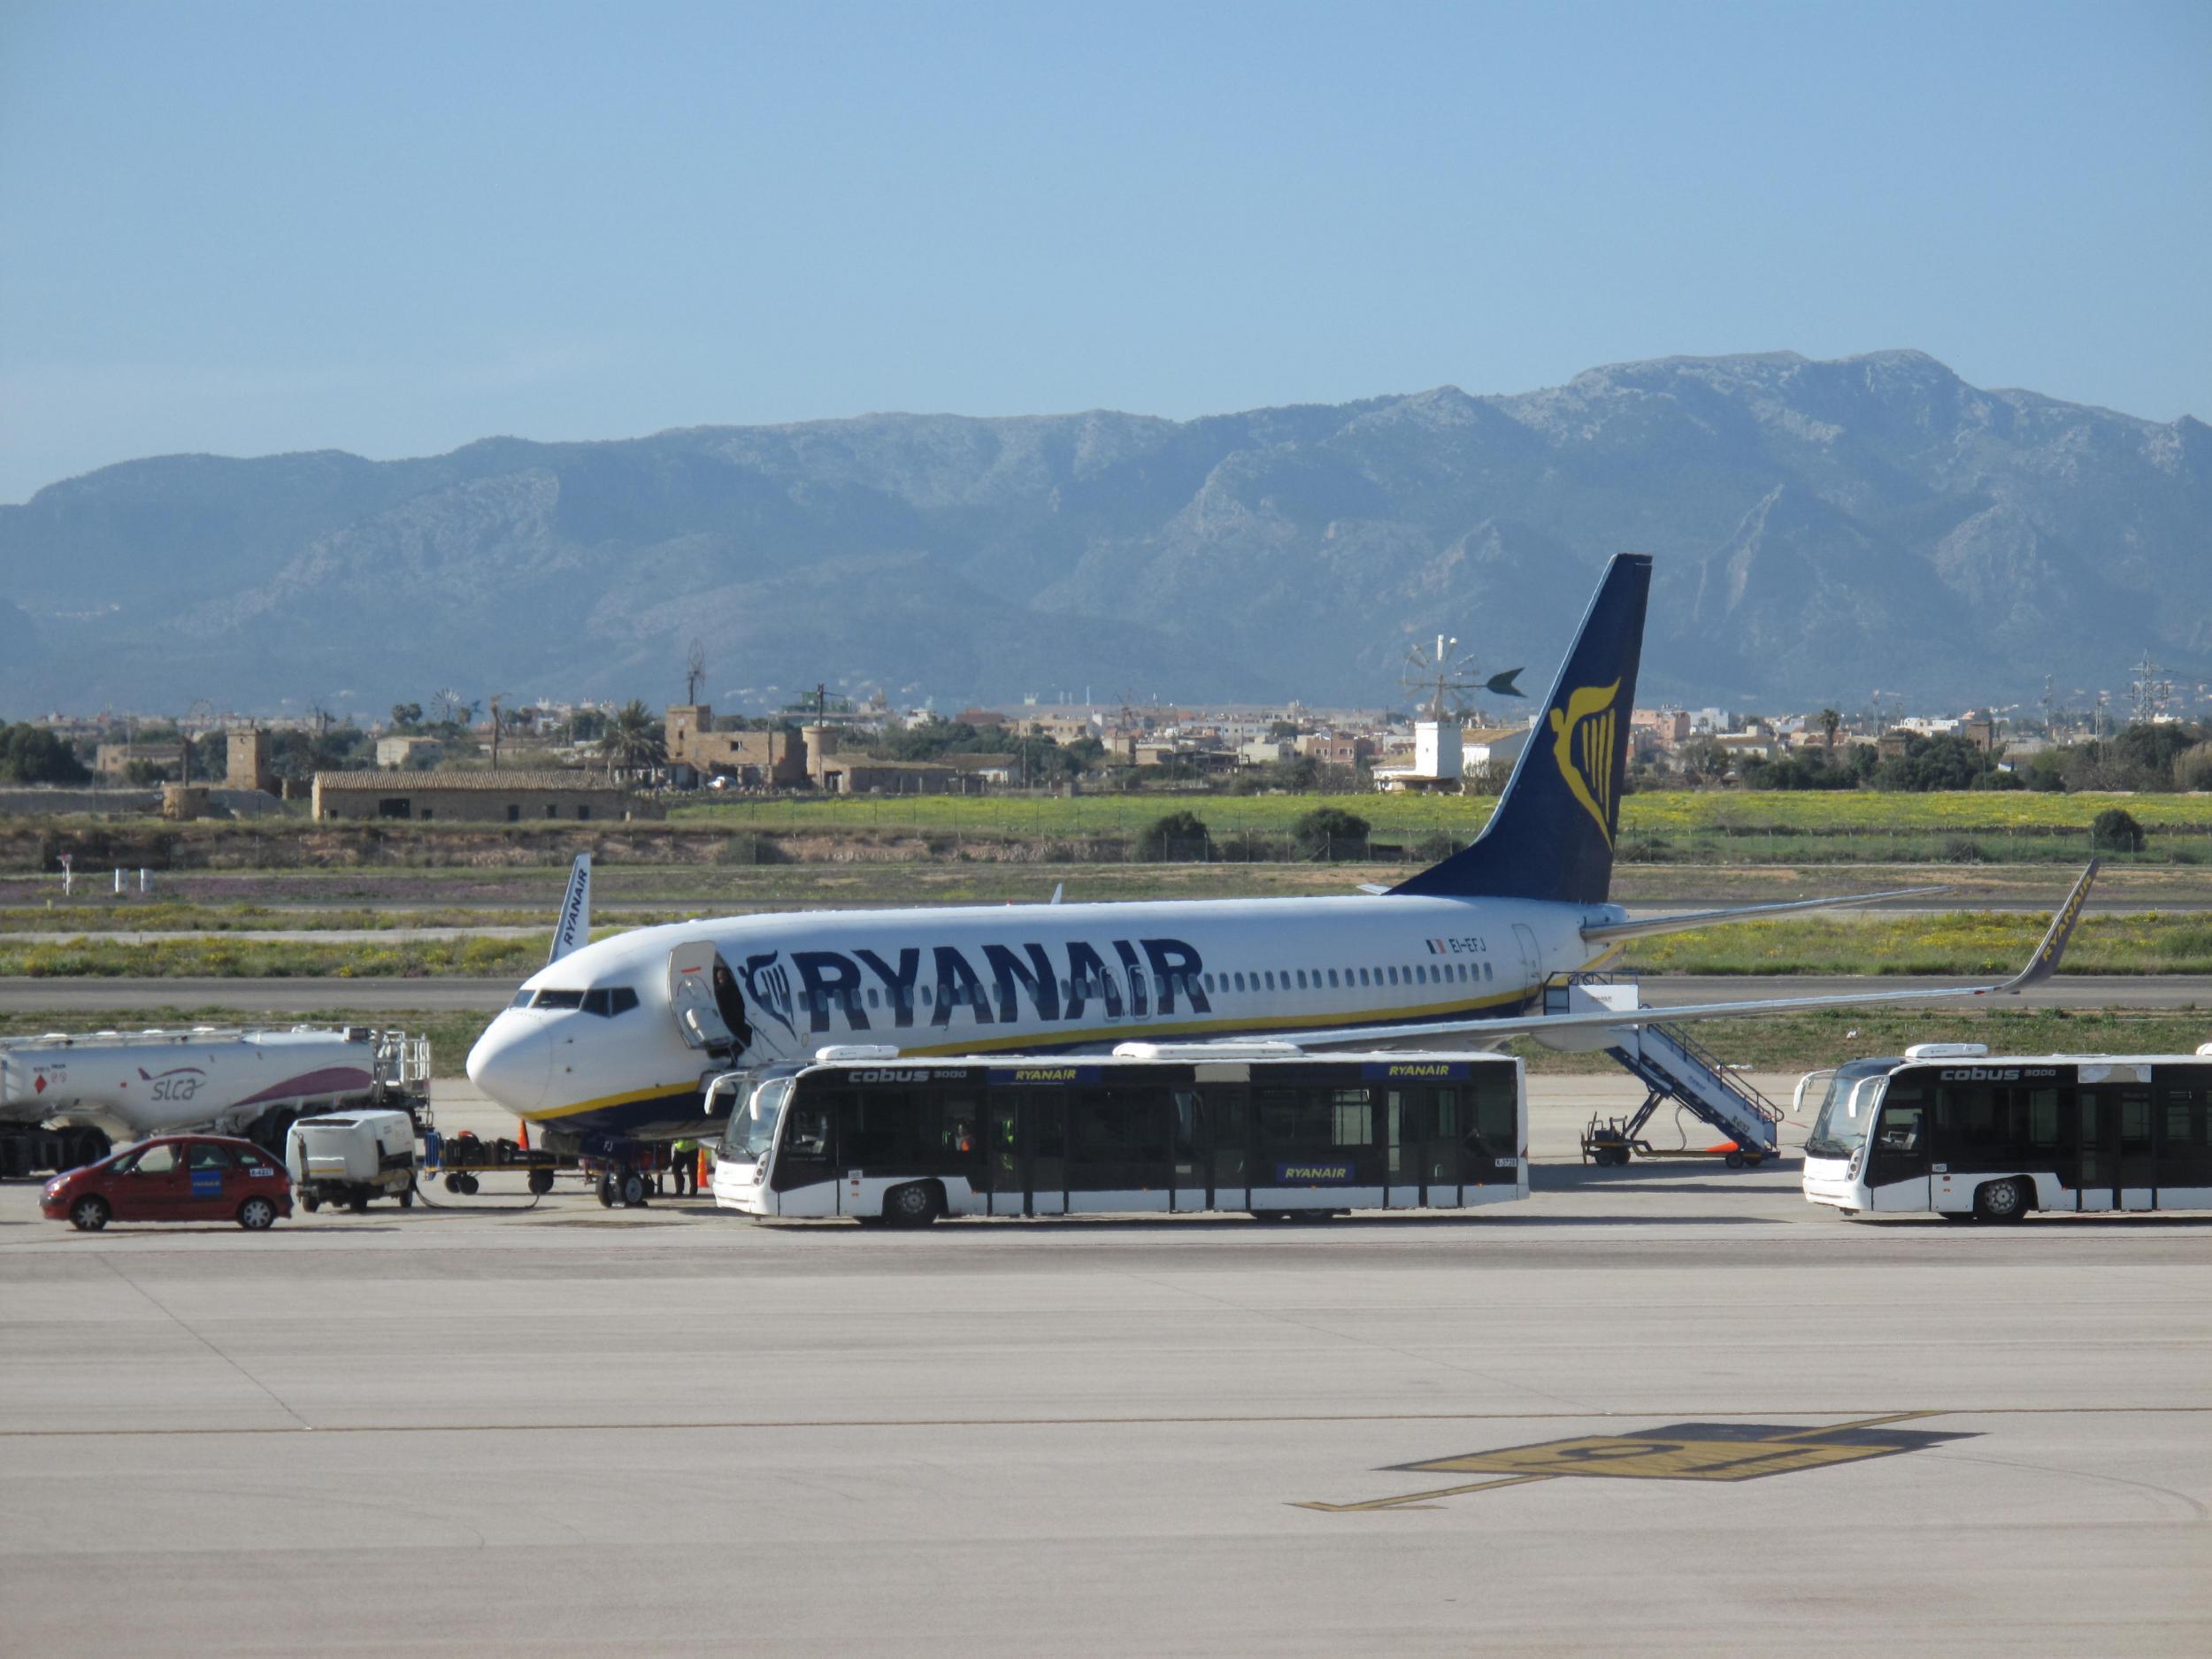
[64, 1100]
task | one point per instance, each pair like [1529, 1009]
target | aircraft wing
[2040, 967]
[1611, 932]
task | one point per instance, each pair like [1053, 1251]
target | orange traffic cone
[706, 1174]
[524, 1125]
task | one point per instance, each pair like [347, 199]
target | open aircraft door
[691, 996]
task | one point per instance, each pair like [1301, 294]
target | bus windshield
[1854, 1096]
[752, 1129]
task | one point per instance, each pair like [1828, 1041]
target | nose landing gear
[620, 1185]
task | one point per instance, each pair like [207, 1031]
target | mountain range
[1821, 530]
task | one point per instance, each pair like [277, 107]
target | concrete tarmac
[1669, 1408]
[368, 995]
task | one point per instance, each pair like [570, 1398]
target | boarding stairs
[1672, 1065]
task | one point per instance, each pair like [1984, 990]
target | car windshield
[752, 1129]
[1854, 1097]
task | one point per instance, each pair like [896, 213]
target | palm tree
[1830, 723]
[634, 741]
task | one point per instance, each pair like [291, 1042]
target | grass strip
[1975, 943]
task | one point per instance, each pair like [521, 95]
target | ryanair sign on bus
[1415, 1071]
[1313, 1174]
[1050, 1075]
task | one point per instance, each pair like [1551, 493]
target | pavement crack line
[1707, 1413]
[170, 1314]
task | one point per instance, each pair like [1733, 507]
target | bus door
[1118, 1147]
[2115, 1165]
[2138, 1148]
[1897, 1151]
[1044, 1130]
[1404, 1113]
[1225, 1101]
[1189, 1156]
[1443, 1129]
[1008, 1172]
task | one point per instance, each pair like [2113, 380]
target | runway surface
[367, 996]
[1664, 1409]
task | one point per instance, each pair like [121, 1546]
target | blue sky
[393, 228]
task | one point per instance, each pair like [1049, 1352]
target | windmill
[1441, 682]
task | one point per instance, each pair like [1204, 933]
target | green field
[1961, 943]
[2002, 827]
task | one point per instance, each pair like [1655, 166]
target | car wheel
[256, 1214]
[88, 1214]
[2001, 1201]
[914, 1205]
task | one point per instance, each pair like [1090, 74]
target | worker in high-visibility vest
[684, 1164]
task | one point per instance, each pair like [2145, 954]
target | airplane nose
[512, 1063]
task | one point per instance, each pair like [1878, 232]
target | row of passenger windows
[1265, 979]
[1311, 979]
[606, 1002]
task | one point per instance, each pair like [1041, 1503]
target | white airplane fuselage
[1028, 978]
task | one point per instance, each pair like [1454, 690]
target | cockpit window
[522, 998]
[605, 1000]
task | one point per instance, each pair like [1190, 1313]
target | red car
[174, 1178]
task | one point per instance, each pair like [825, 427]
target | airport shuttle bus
[1992, 1138]
[1257, 1128]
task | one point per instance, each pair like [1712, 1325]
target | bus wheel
[2001, 1201]
[914, 1205]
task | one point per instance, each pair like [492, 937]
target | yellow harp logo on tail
[1586, 738]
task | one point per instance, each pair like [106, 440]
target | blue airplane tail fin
[1552, 835]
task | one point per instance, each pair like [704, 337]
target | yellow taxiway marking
[1685, 1451]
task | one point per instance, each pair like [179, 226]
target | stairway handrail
[1718, 1067]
